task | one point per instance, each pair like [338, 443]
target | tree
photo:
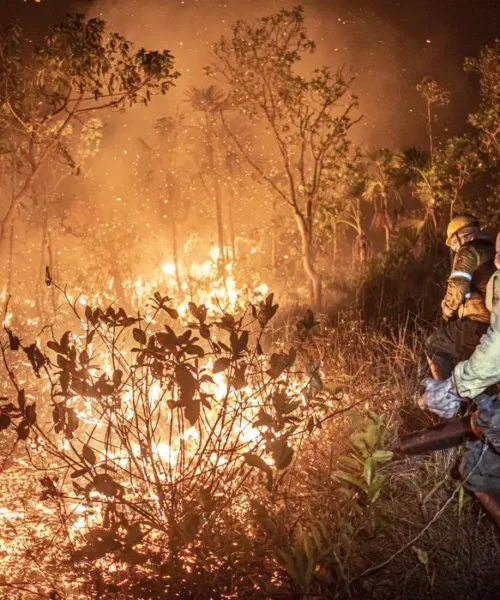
[306, 120]
[165, 174]
[380, 185]
[487, 120]
[210, 102]
[48, 91]
[434, 97]
[414, 171]
[458, 163]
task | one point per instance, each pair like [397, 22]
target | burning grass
[153, 444]
[164, 454]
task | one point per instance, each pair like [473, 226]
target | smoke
[390, 48]
[389, 56]
[389, 45]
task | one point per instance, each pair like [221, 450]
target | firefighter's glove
[440, 397]
[487, 420]
[448, 313]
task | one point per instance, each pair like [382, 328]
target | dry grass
[462, 547]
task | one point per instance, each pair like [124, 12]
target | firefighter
[470, 380]
[463, 307]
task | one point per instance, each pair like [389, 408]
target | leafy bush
[160, 446]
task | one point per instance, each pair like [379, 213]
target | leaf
[36, 358]
[80, 472]
[256, 461]
[55, 347]
[14, 341]
[205, 331]
[422, 555]
[221, 364]
[344, 477]
[4, 421]
[139, 336]
[192, 411]
[84, 358]
[383, 455]
[117, 378]
[21, 400]
[106, 485]
[461, 496]
[371, 434]
[167, 340]
[238, 380]
[65, 341]
[227, 322]
[282, 453]
[186, 382]
[65, 381]
[23, 430]
[263, 419]
[88, 455]
[370, 470]
[201, 313]
[31, 414]
[238, 344]
[194, 349]
[171, 312]
[348, 461]
[278, 363]
[192, 308]
[376, 487]
[266, 312]
[88, 313]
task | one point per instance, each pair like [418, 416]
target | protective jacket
[473, 376]
[472, 268]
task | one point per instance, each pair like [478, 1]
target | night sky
[390, 44]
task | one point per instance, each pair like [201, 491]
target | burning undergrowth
[153, 441]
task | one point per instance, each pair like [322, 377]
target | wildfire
[137, 439]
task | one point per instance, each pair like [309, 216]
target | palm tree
[380, 185]
[415, 171]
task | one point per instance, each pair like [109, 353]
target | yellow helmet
[457, 223]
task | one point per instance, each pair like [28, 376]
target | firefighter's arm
[465, 263]
[473, 376]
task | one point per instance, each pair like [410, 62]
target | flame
[169, 268]
[165, 456]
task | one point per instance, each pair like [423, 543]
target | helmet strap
[456, 238]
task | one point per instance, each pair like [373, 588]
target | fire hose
[454, 432]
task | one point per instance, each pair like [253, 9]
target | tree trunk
[10, 259]
[41, 269]
[175, 252]
[52, 270]
[231, 223]
[209, 150]
[117, 280]
[387, 238]
[274, 241]
[315, 283]
[335, 241]
[429, 131]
